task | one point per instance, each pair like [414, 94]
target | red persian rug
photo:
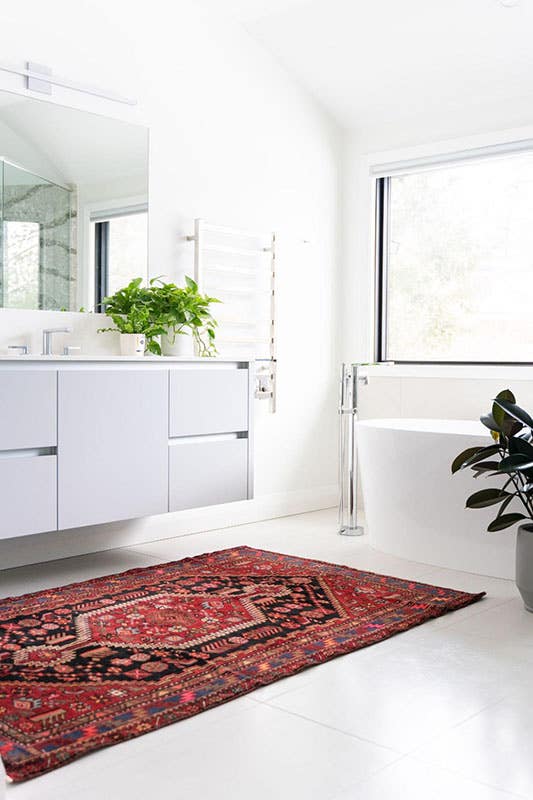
[94, 663]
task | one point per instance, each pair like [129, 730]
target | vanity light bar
[40, 79]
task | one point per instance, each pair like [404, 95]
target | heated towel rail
[239, 268]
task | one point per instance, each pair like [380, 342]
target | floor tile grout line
[447, 729]
[332, 728]
[454, 726]
[360, 784]
[367, 779]
[463, 775]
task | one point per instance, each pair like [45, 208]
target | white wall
[422, 391]
[232, 141]
[23, 152]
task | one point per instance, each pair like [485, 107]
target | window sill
[458, 371]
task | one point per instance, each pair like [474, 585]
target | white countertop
[136, 359]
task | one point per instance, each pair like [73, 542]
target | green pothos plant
[509, 457]
[130, 310]
[163, 309]
[184, 310]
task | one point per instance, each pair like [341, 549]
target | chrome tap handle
[47, 338]
[22, 348]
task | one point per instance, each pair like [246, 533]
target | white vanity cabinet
[28, 416]
[210, 436]
[208, 401]
[112, 441]
[28, 462]
[89, 441]
[207, 470]
[28, 495]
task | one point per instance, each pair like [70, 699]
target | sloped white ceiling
[252, 10]
[374, 62]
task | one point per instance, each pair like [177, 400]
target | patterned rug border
[246, 685]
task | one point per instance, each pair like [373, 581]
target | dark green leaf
[515, 411]
[486, 497]
[519, 445]
[515, 463]
[505, 521]
[490, 423]
[504, 505]
[480, 455]
[486, 466]
[498, 414]
[506, 394]
[464, 456]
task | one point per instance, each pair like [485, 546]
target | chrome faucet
[47, 339]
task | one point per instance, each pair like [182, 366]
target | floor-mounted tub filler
[350, 378]
[415, 508]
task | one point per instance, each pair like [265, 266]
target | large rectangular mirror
[73, 205]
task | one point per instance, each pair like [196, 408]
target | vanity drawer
[207, 471]
[28, 409]
[211, 400]
[28, 495]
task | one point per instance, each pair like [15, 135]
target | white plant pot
[132, 344]
[180, 345]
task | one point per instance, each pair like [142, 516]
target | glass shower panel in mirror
[37, 259]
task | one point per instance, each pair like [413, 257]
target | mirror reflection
[73, 205]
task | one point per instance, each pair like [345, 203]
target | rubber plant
[183, 310]
[131, 311]
[509, 457]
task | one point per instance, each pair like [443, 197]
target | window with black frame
[120, 240]
[454, 253]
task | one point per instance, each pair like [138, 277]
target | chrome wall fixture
[40, 78]
[348, 391]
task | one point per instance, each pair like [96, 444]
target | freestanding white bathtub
[415, 507]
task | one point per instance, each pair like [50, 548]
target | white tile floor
[441, 712]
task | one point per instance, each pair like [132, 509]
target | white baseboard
[41, 547]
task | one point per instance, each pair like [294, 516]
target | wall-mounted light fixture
[40, 78]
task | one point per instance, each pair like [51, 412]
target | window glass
[459, 263]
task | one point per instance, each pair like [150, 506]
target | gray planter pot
[524, 564]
